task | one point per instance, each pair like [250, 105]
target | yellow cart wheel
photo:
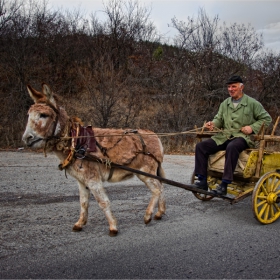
[266, 198]
[200, 196]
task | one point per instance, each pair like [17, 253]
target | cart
[257, 173]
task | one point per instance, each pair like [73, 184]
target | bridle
[52, 138]
[57, 111]
[57, 141]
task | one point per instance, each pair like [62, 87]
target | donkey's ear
[34, 94]
[48, 93]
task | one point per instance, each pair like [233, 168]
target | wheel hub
[272, 198]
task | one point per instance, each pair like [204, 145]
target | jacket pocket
[247, 116]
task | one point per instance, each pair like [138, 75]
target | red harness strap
[82, 139]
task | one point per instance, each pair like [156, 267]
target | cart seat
[246, 165]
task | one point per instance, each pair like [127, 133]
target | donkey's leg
[161, 204]
[104, 203]
[157, 197]
[84, 202]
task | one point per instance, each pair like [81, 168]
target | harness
[83, 143]
[80, 142]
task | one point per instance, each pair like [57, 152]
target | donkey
[50, 127]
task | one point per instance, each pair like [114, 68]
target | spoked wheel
[266, 198]
[200, 196]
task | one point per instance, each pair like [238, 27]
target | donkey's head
[42, 118]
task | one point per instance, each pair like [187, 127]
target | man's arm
[262, 116]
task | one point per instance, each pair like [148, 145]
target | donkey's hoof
[113, 232]
[147, 220]
[157, 217]
[76, 228]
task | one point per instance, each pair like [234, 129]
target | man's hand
[246, 129]
[209, 125]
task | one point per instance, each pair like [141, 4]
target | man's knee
[199, 146]
[238, 145]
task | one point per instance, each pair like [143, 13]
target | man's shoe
[202, 185]
[220, 190]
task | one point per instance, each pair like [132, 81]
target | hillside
[119, 73]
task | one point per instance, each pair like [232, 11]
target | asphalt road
[195, 239]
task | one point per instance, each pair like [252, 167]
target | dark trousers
[208, 147]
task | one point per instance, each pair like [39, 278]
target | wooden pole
[275, 125]
[266, 138]
[261, 151]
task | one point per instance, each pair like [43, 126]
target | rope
[192, 131]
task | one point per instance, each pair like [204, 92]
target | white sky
[263, 15]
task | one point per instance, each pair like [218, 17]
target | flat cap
[234, 79]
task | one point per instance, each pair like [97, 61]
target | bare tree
[8, 10]
[199, 42]
[216, 52]
[111, 102]
[197, 34]
[115, 72]
[127, 23]
[240, 43]
[266, 80]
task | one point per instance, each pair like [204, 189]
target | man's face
[235, 90]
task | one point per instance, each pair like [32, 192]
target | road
[195, 239]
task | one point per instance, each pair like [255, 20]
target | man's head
[235, 87]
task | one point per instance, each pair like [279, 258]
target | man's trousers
[233, 148]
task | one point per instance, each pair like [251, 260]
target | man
[239, 116]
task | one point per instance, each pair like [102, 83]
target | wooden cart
[257, 173]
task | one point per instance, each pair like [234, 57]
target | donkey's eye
[43, 116]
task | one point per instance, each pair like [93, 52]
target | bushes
[119, 73]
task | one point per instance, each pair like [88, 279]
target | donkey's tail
[160, 171]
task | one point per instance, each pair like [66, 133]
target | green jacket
[248, 112]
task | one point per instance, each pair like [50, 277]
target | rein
[196, 130]
[79, 151]
[192, 131]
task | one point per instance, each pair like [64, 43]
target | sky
[263, 15]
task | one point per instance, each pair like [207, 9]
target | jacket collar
[244, 100]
